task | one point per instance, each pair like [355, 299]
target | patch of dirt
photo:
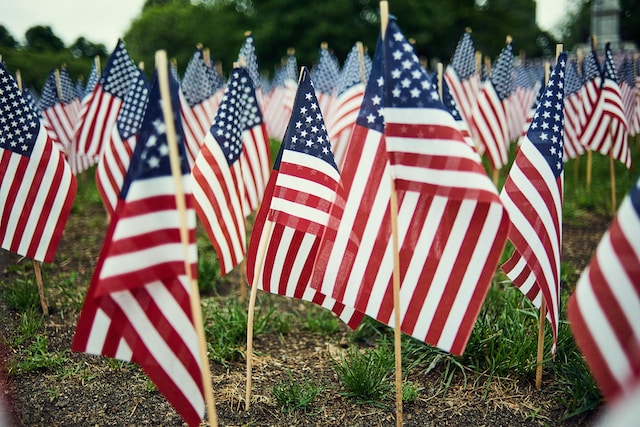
[102, 392]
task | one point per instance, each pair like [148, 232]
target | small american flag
[490, 121]
[218, 185]
[38, 187]
[99, 111]
[116, 155]
[60, 107]
[138, 307]
[533, 196]
[604, 310]
[299, 195]
[606, 126]
[197, 103]
[574, 115]
[463, 78]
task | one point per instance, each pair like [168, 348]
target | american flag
[60, 107]
[533, 196]
[137, 307]
[256, 150]
[92, 81]
[295, 210]
[38, 187]
[341, 119]
[490, 121]
[606, 126]
[99, 110]
[218, 185]
[574, 114]
[256, 147]
[116, 156]
[604, 310]
[463, 78]
[197, 102]
[450, 235]
[628, 94]
[527, 94]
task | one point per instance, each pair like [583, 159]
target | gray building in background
[605, 25]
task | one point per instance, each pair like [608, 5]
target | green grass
[366, 375]
[294, 394]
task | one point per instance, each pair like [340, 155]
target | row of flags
[324, 226]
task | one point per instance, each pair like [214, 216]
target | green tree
[41, 38]
[6, 39]
[84, 48]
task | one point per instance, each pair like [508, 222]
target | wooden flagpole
[543, 304]
[397, 331]
[252, 303]
[36, 264]
[612, 172]
[194, 294]
[363, 74]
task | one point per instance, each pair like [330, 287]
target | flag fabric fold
[292, 217]
[99, 110]
[450, 234]
[137, 307]
[604, 310]
[490, 121]
[533, 195]
[219, 188]
[38, 187]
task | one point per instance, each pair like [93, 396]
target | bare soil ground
[98, 391]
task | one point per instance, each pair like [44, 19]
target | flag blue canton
[463, 61]
[67, 87]
[248, 52]
[196, 84]
[226, 127]
[306, 132]
[370, 115]
[572, 81]
[251, 114]
[591, 67]
[119, 72]
[408, 84]
[151, 156]
[133, 107]
[627, 72]
[609, 65]
[547, 128]
[326, 72]
[350, 74]
[49, 95]
[501, 73]
[19, 123]
[92, 81]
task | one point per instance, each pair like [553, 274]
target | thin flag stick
[612, 172]
[363, 74]
[194, 294]
[543, 314]
[36, 264]
[397, 331]
[252, 304]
